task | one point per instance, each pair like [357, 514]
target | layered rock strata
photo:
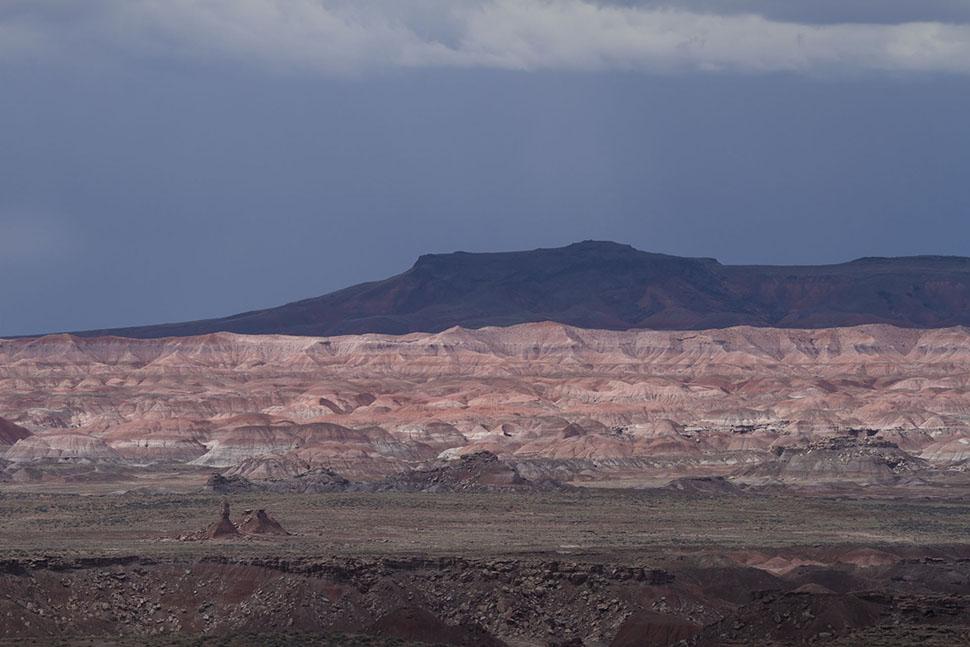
[555, 400]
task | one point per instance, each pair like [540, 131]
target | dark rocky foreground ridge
[615, 287]
[475, 602]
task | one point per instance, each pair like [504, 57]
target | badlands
[529, 486]
[863, 404]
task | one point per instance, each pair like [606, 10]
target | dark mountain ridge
[611, 286]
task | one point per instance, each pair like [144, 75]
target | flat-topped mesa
[844, 459]
[610, 286]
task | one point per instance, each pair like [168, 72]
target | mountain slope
[610, 286]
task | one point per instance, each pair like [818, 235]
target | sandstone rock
[11, 433]
[258, 523]
[839, 459]
[706, 485]
[557, 401]
[219, 484]
[224, 527]
[60, 447]
[482, 471]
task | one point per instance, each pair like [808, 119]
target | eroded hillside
[558, 401]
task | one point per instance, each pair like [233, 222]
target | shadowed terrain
[602, 568]
[615, 287]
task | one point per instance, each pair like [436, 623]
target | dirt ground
[600, 524]
[604, 567]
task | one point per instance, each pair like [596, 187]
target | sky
[168, 160]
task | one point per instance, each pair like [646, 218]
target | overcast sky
[164, 160]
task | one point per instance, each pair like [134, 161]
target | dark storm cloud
[340, 37]
[167, 160]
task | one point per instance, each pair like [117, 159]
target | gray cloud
[821, 11]
[342, 37]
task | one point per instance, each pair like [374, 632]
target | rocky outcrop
[705, 485]
[11, 433]
[466, 601]
[481, 471]
[313, 481]
[478, 472]
[251, 523]
[219, 484]
[259, 523]
[224, 528]
[839, 459]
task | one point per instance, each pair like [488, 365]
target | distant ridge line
[606, 285]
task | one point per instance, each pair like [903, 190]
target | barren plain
[602, 567]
